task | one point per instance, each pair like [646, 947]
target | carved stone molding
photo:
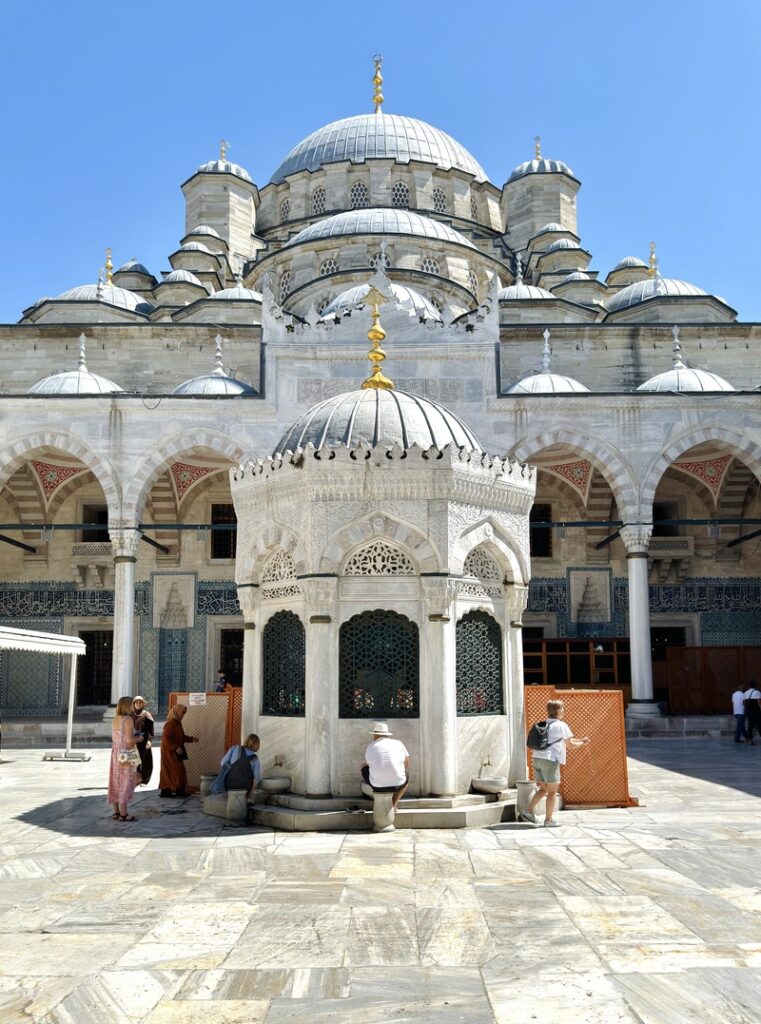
[125, 541]
[637, 538]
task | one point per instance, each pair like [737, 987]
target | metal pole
[72, 697]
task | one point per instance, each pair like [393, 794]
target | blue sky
[108, 108]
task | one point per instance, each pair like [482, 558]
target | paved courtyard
[645, 915]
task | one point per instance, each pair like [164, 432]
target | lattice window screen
[283, 666]
[379, 666]
[479, 665]
[379, 559]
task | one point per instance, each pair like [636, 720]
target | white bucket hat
[381, 729]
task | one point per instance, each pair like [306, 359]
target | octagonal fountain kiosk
[382, 570]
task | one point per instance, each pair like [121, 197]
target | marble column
[248, 599]
[321, 614]
[515, 606]
[438, 693]
[124, 542]
[637, 539]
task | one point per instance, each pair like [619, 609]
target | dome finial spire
[378, 82]
[518, 270]
[653, 261]
[538, 147]
[546, 352]
[676, 350]
[81, 365]
[219, 370]
[109, 267]
[376, 334]
[224, 145]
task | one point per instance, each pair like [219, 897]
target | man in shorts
[547, 764]
[387, 764]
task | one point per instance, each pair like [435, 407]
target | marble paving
[649, 915]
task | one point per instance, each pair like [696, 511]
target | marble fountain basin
[275, 783]
[489, 784]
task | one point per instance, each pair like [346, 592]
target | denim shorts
[546, 770]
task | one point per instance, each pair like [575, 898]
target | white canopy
[46, 643]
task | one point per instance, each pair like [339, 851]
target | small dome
[628, 262]
[215, 383]
[238, 292]
[378, 418]
[653, 287]
[195, 247]
[379, 221]
[682, 378]
[106, 293]
[562, 243]
[407, 297]
[204, 229]
[546, 384]
[519, 292]
[577, 275]
[224, 167]
[378, 137]
[133, 267]
[182, 277]
[541, 166]
[551, 228]
[75, 382]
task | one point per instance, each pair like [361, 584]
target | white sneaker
[552, 823]
[527, 816]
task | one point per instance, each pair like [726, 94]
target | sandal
[127, 817]
[116, 816]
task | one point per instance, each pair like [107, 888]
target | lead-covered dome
[379, 221]
[224, 167]
[519, 292]
[683, 378]
[378, 418]
[215, 383]
[651, 288]
[106, 293]
[541, 166]
[410, 299]
[378, 137]
[75, 382]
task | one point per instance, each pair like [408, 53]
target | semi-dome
[651, 288]
[237, 293]
[546, 382]
[378, 137]
[552, 227]
[378, 417]
[181, 277]
[195, 247]
[541, 166]
[406, 297]
[682, 378]
[224, 167]
[629, 262]
[215, 383]
[577, 275]
[106, 293]
[562, 243]
[379, 221]
[519, 291]
[204, 229]
[75, 382]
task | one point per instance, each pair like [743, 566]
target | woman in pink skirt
[122, 778]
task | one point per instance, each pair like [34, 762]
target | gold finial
[376, 334]
[653, 261]
[378, 82]
[109, 266]
[224, 145]
[538, 147]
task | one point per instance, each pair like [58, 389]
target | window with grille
[379, 666]
[400, 194]
[479, 665]
[285, 285]
[285, 209]
[540, 541]
[318, 200]
[439, 200]
[328, 267]
[473, 282]
[96, 518]
[223, 541]
[430, 265]
[473, 208]
[437, 304]
[379, 261]
[284, 666]
[360, 197]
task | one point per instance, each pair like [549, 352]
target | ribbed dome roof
[378, 418]
[651, 288]
[379, 221]
[204, 229]
[519, 291]
[215, 383]
[682, 378]
[546, 382]
[134, 267]
[628, 262]
[378, 137]
[407, 297]
[195, 247]
[182, 277]
[75, 382]
[541, 166]
[577, 275]
[106, 293]
[224, 167]
[552, 227]
[238, 292]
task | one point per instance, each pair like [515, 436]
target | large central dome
[378, 137]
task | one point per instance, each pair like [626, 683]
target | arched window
[439, 200]
[279, 578]
[283, 666]
[328, 267]
[473, 208]
[400, 194]
[379, 666]
[430, 265]
[473, 282]
[379, 559]
[323, 304]
[285, 285]
[318, 200]
[437, 304]
[479, 665]
[379, 261]
[360, 197]
[285, 209]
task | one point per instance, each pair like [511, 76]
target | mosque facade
[127, 403]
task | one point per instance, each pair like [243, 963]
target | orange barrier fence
[594, 775]
[216, 723]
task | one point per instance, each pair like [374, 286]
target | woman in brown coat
[174, 778]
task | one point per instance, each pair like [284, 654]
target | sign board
[196, 699]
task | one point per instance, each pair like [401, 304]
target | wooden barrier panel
[211, 723]
[596, 774]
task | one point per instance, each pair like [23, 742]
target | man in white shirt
[738, 710]
[547, 764]
[752, 697]
[387, 763]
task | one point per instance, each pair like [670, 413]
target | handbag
[182, 754]
[129, 756]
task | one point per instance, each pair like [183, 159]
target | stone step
[683, 726]
[291, 819]
[296, 801]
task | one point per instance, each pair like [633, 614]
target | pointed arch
[376, 526]
[511, 555]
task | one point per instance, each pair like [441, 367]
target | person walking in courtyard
[752, 697]
[174, 778]
[123, 774]
[547, 764]
[144, 729]
[387, 764]
[738, 710]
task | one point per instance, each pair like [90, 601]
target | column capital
[637, 538]
[439, 592]
[248, 599]
[125, 541]
[517, 601]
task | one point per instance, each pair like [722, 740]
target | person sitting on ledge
[239, 768]
[387, 764]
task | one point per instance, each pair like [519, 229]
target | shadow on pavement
[714, 759]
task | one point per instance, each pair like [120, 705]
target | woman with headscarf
[144, 728]
[239, 768]
[123, 774]
[173, 778]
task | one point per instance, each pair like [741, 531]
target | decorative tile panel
[51, 476]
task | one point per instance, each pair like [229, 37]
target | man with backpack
[547, 741]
